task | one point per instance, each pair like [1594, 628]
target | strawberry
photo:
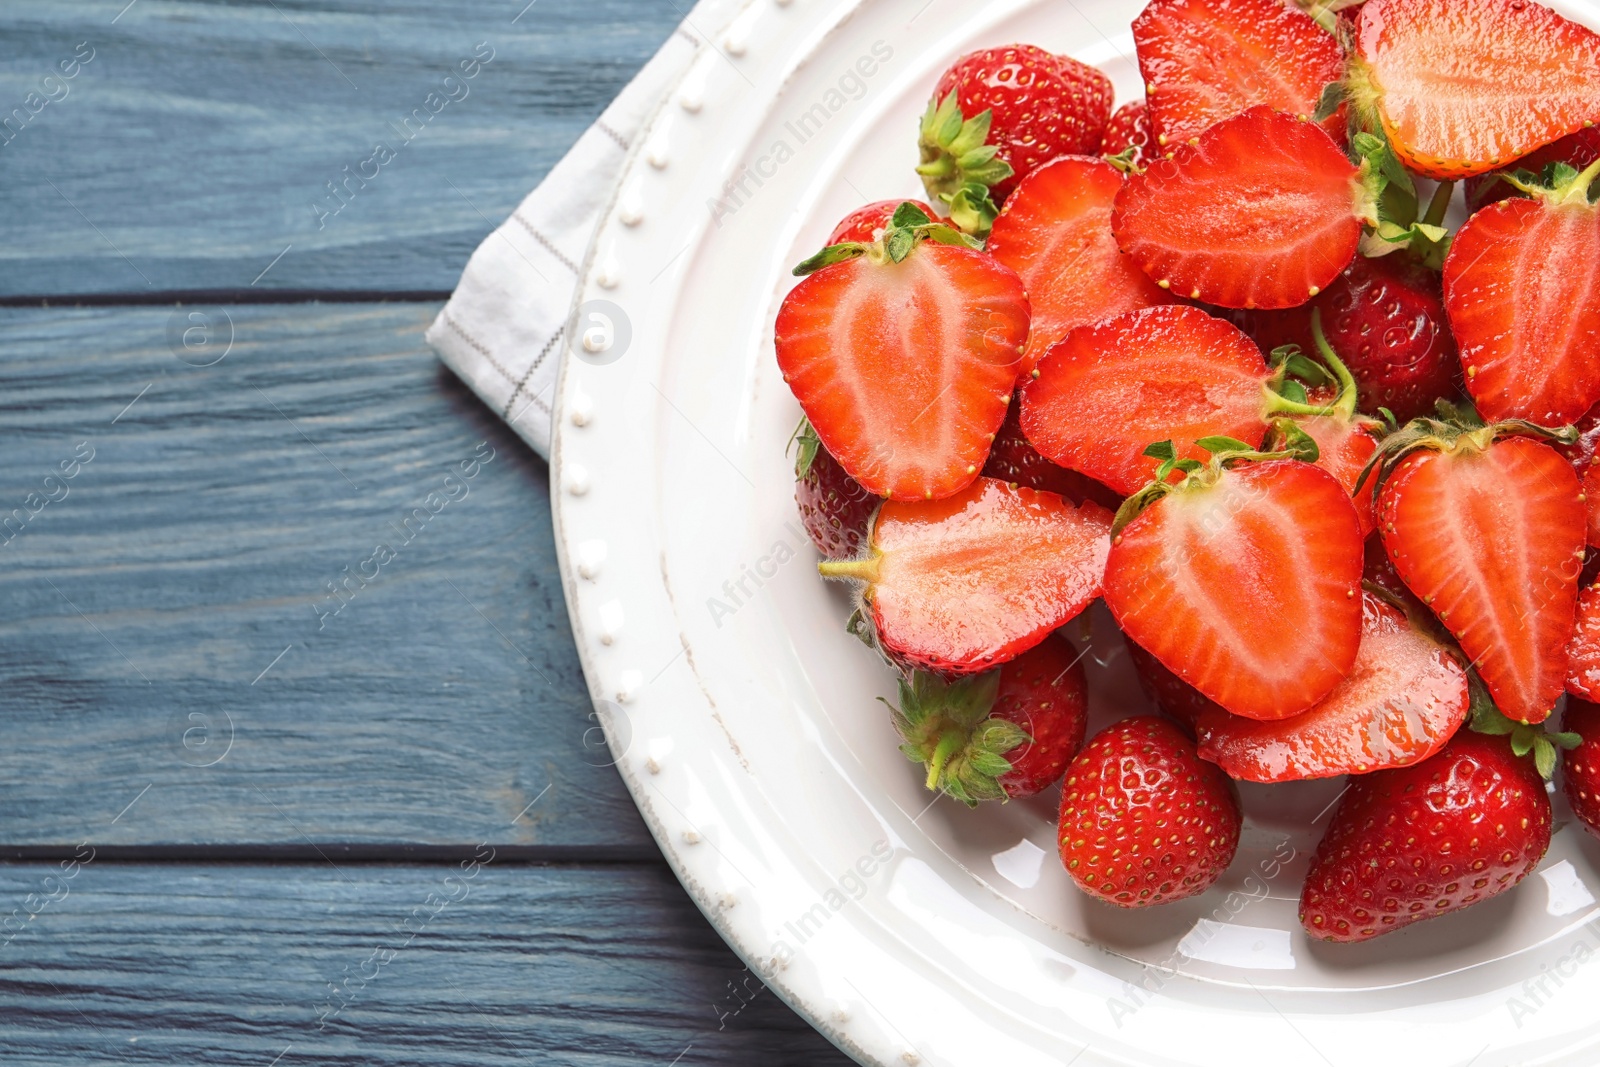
[1582, 456]
[1580, 764]
[1013, 459]
[1385, 318]
[1345, 441]
[865, 225]
[1207, 60]
[1143, 819]
[1522, 288]
[1242, 578]
[834, 509]
[902, 354]
[1262, 210]
[1405, 698]
[1106, 390]
[1129, 128]
[1487, 528]
[966, 583]
[1583, 654]
[1172, 696]
[1055, 232]
[1414, 842]
[1462, 88]
[999, 113]
[1006, 733]
[1577, 150]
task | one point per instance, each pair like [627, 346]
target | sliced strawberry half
[903, 354]
[965, 583]
[1207, 60]
[1403, 700]
[1164, 373]
[1522, 289]
[1055, 232]
[1244, 581]
[1488, 530]
[1263, 210]
[1462, 88]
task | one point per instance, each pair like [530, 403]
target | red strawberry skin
[1425, 840]
[1143, 819]
[966, 583]
[866, 224]
[1464, 88]
[1165, 373]
[1260, 212]
[1579, 149]
[1491, 540]
[1207, 60]
[1405, 698]
[1247, 589]
[1580, 767]
[1172, 696]
[1045, 692]
[835, 510]
[1583, 654]
[905, 370]
[1044, 105]
[1582, 456]
[1013, 459]
[1343, 448]
[1130, 128]
[1522, 289]
[1055, 232]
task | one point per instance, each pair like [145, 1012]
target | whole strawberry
[1144, 820]
[998, 113]
[1580, 765]
[835, 510]
[1130, 128]
[1007, 733]
[1408, 844]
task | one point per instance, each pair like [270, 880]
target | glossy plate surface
[746, 721]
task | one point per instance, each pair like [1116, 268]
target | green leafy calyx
[907, 228]
[957, 167]
[1455, 429]
[1525, 738]
[1226, 453]
[948, 727]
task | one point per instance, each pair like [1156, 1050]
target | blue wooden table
[235, 829]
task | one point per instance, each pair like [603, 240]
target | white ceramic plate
[745, 720]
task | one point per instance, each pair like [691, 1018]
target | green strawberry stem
[1487, 718]
[950, 742]
[1343, 405]
[862, 570]
[1439, 204]
[1225, 452]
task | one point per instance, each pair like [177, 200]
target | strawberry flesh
[1463, 88]
[1055, 232]
[1405, 698]
[1415, 842]
[1247, 589]
[1343, 448]
[1013, 459]
[1143, 819]
[1260, 212]
[1207, 60]
[968, 582]
[1172, 696]
[1491, 539]
[1106, 391]
[905, 369]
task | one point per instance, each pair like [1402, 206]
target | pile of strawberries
[1217, 358]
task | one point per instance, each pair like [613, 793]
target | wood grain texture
[238, 965]
[190, 150]
[173, 600]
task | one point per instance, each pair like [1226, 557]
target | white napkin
[503, 329]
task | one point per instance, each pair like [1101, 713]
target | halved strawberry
[1207, 60]
[1242, 579]
[968, 582]
[902, 354]
[1006, 733]
[1522, 288]
[1055, 232]
[1263, 210]
[1105, 391]
[1577, 150]
[1583, 654]
[1487, 528]
[1403, 700]
[866, 224]
[1172, 696]
[1462, 88]
[1013, 459]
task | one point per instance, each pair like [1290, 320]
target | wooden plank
[191, 148]
[238, 965]
[167, 620]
